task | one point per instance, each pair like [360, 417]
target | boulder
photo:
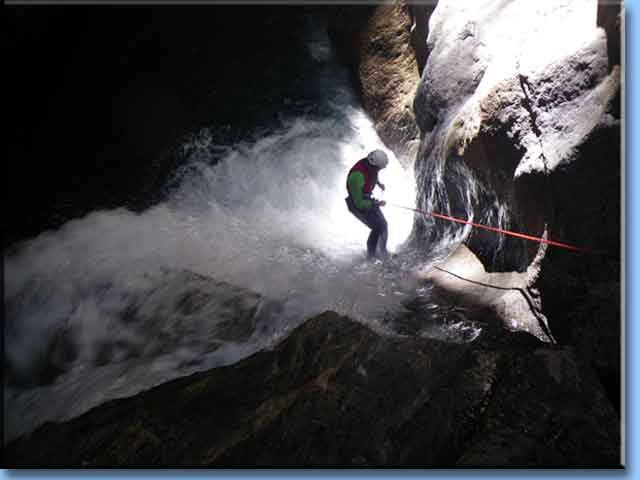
[334, 393]
[519, 109]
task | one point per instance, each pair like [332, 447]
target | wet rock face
[509, 93]
[376, 42]
[525, 96]
[336, 394]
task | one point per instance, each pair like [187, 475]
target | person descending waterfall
[361, 180]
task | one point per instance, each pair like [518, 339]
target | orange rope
[499, 230]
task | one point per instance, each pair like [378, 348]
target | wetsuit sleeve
[356, 186]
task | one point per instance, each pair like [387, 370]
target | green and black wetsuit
[361, 180]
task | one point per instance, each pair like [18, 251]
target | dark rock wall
[610, 17]
[419, 14]
[536, 119]
[520, 127]
[374, 41]
[541, 138]
[100, 95]
[336, 394]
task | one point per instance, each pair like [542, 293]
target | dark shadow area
[610, 18]
[493, 157]
[98, 97]
[588, 208]
[346, 24]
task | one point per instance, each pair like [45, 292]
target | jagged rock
[334, 393]
[463, 280]
[525, 98]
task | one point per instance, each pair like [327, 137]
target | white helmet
[378, 158]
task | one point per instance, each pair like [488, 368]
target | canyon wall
[519, 112]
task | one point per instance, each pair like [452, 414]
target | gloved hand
[380, 203]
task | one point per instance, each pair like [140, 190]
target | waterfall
[117, 302]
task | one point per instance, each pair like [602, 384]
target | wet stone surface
[334, 393]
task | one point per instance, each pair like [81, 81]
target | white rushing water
[106, 302]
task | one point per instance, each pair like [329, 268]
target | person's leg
[379, 232]
[382, 227]
[372, 242]
[374, 219]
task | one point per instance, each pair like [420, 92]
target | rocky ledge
[334, 393]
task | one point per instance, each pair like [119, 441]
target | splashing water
[117, 302]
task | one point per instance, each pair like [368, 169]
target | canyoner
[361, 180]
[228, 315]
